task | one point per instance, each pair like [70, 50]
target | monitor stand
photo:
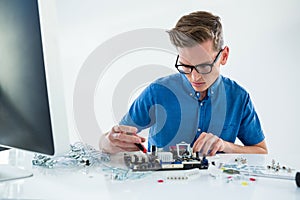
[8, 172]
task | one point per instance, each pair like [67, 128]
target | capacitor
[153, 150]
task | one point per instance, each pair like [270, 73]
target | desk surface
[94, 183]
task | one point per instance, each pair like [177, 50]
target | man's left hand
[208, 143]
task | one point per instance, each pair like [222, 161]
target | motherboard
[180, 157]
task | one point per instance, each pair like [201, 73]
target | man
[198, 105]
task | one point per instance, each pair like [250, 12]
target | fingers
[125, 129]
[217, 146]
[127, 146]
[210, 140]
[208, 143]
[130, 130]
[124, 137]
[124, 133]
[199, 142]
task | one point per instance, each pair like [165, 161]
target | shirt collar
[190, 90]
[212, 89]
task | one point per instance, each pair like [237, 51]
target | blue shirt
[172, 109]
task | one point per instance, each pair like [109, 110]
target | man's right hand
[120, 138]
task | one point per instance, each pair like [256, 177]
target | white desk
[70, 184]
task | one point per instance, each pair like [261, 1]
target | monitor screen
[32, 112]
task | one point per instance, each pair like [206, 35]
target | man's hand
[208, 143]
[121, 138]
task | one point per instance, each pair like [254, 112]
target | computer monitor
[32, 105]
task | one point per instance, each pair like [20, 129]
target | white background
[264, 51]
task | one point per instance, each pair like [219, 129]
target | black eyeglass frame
[199, 65]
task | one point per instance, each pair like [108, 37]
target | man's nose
[195, 75]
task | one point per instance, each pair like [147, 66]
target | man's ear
[225, 55]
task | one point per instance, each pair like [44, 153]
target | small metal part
[278, 166]
[231, 171]
[80, 154]
[244, 161]
[183, 149]
[273, 164]
[284, 167]
[220, 165]
[241, 160]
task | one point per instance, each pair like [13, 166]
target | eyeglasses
[204, 68]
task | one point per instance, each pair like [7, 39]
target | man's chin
[200, 89]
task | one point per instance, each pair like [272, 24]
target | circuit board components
[178, 158]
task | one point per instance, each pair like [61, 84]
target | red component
[252, 179]
[145, 150]
[160, 181]
[141, 147]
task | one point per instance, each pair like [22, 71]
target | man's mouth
[198, 84]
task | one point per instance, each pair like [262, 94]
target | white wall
[264, 51]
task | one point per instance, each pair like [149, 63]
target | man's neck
[202, 95]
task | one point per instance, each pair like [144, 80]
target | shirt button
[201, 104]
[199, 129]
[191, 94]
[212, 92]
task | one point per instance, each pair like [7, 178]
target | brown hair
[195, 28]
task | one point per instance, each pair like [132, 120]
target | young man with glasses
[197, 105]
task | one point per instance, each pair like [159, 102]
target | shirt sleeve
[250, 132]
[140, 115]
